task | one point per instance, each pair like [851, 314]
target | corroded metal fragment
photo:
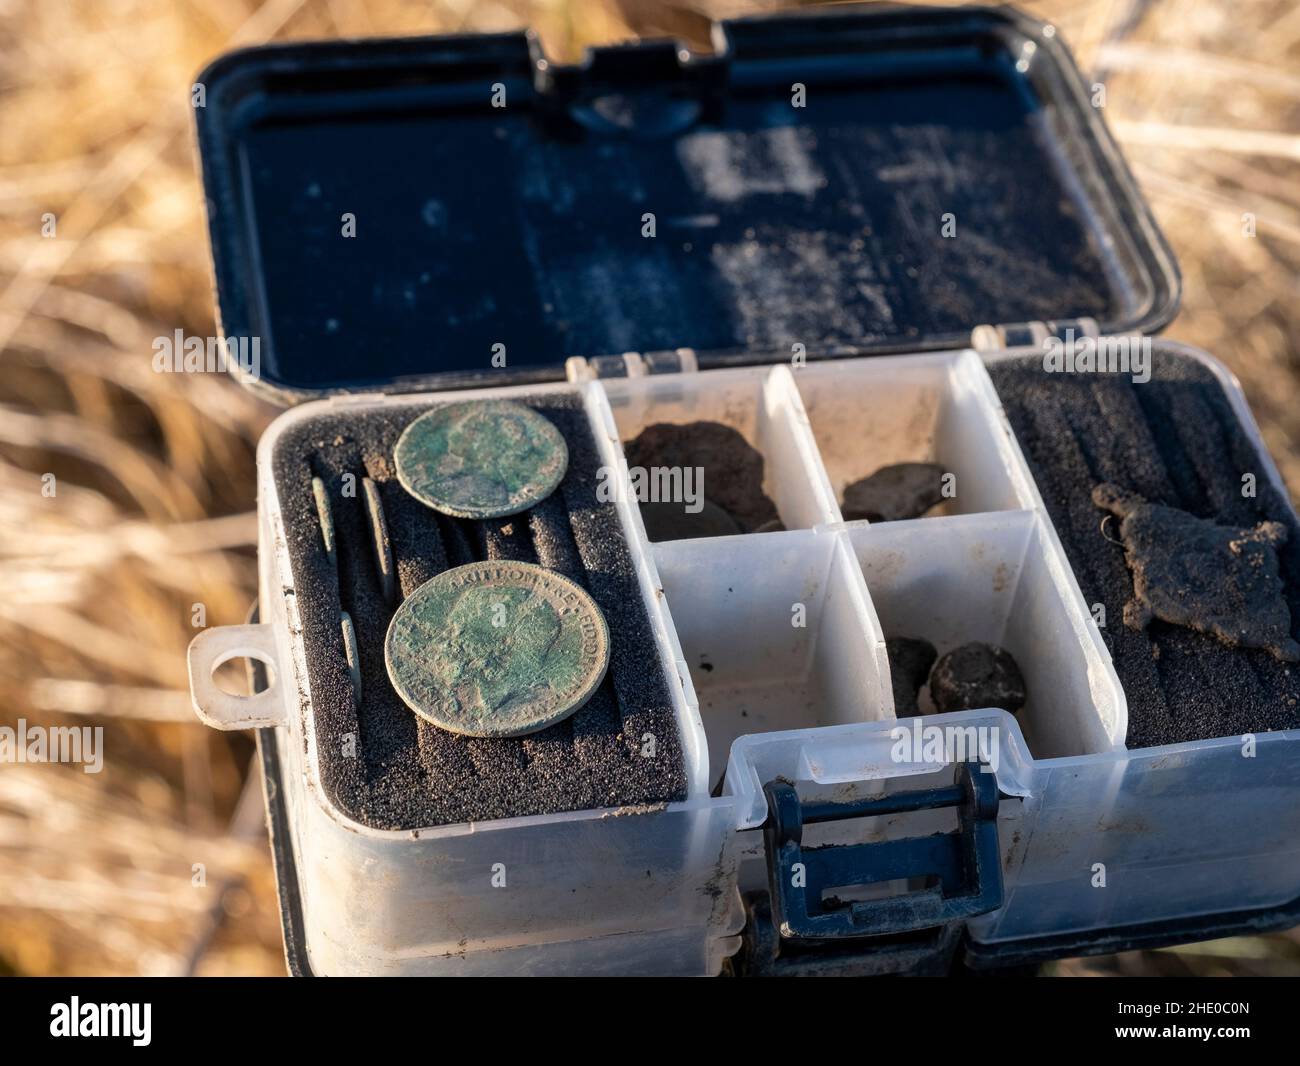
[325, 515]
[977, 675]
[910, 659]
[383, 549]
[1222, 580]
[672, 521]
[352, 654]
[894, 493]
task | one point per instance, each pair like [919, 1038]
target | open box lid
[386, 214]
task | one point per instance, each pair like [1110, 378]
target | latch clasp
[963, 870]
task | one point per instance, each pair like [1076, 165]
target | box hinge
[1031, 334]
[961, 872]
[631, 365]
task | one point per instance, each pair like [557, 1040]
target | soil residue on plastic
[380, 763]
[1173, 440]
[732, 481]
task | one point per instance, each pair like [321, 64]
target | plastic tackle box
[823, 235]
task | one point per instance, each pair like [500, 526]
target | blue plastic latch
[961, 871]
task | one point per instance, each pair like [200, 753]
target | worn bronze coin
[481, 458]
[497, 649]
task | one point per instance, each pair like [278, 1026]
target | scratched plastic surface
[765, 634]
[936, 171]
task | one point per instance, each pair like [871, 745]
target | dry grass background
[155, 501]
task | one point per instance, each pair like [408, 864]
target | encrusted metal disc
[497, 649]
[481, 458]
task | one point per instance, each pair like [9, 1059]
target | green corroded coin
[481, 458]
[497, 649]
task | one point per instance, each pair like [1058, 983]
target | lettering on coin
[497, 649]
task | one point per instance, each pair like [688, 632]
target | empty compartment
[777, 633]
[867, 414]
[692, 442]
[998, 579]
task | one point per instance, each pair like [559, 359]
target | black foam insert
[1174, 440]
[383, 765]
